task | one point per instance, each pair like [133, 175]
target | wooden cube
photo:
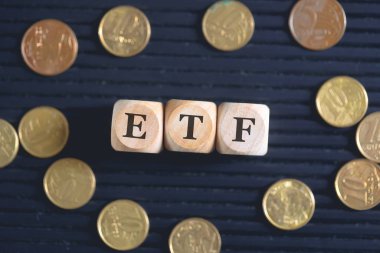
[242, 129]
[190, 126]
[137, 126]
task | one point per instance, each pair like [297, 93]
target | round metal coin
[368, 137]
[342, 101]
[289, 204]
[124, 31]
[43, 131]
[123, 225]
[9, 143]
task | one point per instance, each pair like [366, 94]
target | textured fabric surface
[178, 63]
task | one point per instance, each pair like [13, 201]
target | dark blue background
[178, 63]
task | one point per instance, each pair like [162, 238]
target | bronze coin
[49, 47]
[317, 24]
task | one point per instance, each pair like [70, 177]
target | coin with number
[317, 24]
[228, 25]
[123, 224]
[195, 235]
[368, 137]
[9, 143]
[124, 31]
[43, 131]
[49, 47]
[69, 183]
[342, 101]
[357, 184]
[289, 204]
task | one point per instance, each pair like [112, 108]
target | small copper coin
[49, 47]
[317, 24]
[368, 137]
[357, 184]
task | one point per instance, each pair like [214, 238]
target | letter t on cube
[242, 129]
[137, 126]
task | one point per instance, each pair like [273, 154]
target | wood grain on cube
[242, 129]
[190, 126]
[137, 126]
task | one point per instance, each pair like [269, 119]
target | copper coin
[49, 47]
[317, 24]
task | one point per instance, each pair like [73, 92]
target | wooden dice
[190, 126]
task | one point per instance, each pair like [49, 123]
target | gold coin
[368, 137]
[342, 101]
[317, 24]
[195, 235]
[357, 184]
[8, 143]
[49, 47]
[43, 131]
[289, 204]
[123, 225]
[69, 183]
[124, 31]
[228, 25]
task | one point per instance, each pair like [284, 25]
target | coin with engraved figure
[289, 204]
[357, 184]
[43, 131]
[195, 235]
[69, 183]
[124, 31]
[9, 143]
[228, 25]
[368, 137]
[317, 24]
[342, 101]
[49, 47]
[123, 225]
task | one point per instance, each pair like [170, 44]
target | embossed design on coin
[228, 25]
[69, 183]
[123, 225]
[43, 131]
[124, 31]
[49, 47]
[357, 184]
[368, 137]
[9, 143]
[317, 24]
[195, 235]
[289, 204]
[342, 101]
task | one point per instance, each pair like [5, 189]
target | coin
[228, 25]
[124, 31]
[357, 184]
[289, 204]
[342, 101]
[49, 47]
[69, 183]
[43, 131]
[317, 24]
[195, 235]
[368, 137]
[8, 143]
[123, 225]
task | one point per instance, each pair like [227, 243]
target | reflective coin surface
[228, 25]
[368, 137]
[123, 225]
[357, 184]
[43, 131]
[124, 31]
[9, 143]
[289, 204]
[317, 24]
[69, 183]
[49, 47]
[195, 235]
[342, 101]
